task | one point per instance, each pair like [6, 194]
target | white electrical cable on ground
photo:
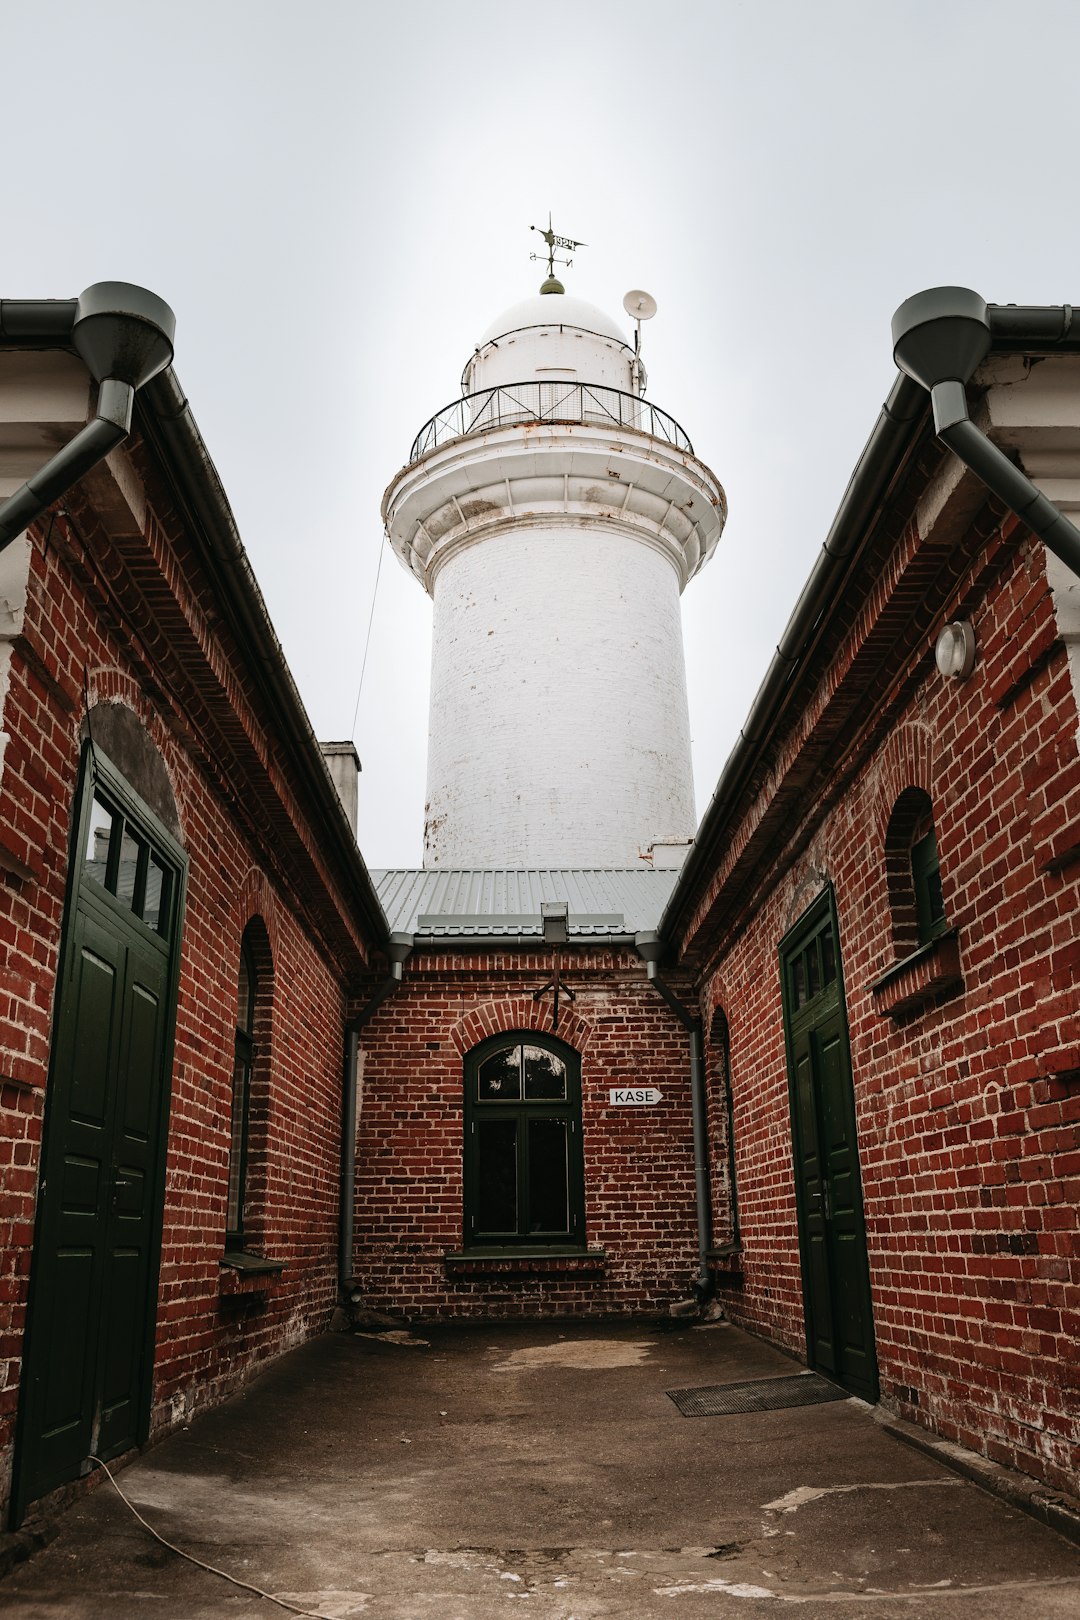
[283, 1603]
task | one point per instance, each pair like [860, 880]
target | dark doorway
[832, 1236]
[88, 1354]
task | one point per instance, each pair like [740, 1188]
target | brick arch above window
[906, 761]
[717, 995]
[519, 1013]
[130, 731]
[812, 881]
[254, 897]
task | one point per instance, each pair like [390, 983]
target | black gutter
[398, 949]
[903, 419]
[37, 323]
[164, 418]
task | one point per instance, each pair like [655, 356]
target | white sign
[634, 1096]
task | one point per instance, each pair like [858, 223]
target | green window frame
[913, 872]
[811, 969]
[926, 880]
[523, 1163]
[118, 855]
[240, 1118]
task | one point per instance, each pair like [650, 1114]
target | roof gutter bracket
[125, 336]
[939, 338]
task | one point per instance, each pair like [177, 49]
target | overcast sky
[335, 197]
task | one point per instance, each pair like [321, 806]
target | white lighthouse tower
[555, 515]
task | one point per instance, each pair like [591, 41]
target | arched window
[722, 1123]
[250, 1109]
[914, 873]
[243, 1062]
[524, 1178]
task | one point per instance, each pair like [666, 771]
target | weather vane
[554, 242]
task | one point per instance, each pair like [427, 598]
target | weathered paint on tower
[554, 516]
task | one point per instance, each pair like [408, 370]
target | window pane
[828, 957]
[245, 1000]
[237, 1143]
[813, 972]
[496, 1198]
[926, 874]
[545, 1076]
[156, 903]
[128, 869]
[96, 853]
[499, 1076]
[548, 1210]
[798, 981]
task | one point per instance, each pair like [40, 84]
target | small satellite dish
[640, 305]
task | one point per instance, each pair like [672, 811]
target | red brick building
[183, 917]
[601, 1214]
[877, 931]
[880, 913]
[831, 1069]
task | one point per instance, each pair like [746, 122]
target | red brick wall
[968, 1107]
[210, 1329]
[639, 1172]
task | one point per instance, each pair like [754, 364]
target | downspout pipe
[398, 949]
[649, 947]
[125, 336]
[940, 337]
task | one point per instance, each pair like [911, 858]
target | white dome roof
[554, 309]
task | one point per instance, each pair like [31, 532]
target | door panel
[836, 1287]
[118, 1376]
[820, 1292]
[69, 1244]
[63, 1376]
[86, 1369]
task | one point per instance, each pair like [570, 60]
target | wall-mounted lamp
[954, 650]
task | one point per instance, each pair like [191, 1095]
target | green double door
[89, 1344]
[832, 1235]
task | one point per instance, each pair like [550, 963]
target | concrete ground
[541, 1471]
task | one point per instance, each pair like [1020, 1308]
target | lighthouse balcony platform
[513, 404]
[547, 457]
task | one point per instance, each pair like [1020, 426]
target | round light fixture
[954, 650]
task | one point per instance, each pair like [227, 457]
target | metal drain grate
[761, 1395]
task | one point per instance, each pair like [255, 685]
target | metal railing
[517, 403]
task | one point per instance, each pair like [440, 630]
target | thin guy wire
[367, 640]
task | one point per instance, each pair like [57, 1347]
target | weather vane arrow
[554, 242]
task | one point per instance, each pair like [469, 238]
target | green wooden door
[836, 1277]
[88, 1357]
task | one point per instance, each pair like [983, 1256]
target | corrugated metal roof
[493, 902]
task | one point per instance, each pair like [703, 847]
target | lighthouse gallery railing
[516, 403]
